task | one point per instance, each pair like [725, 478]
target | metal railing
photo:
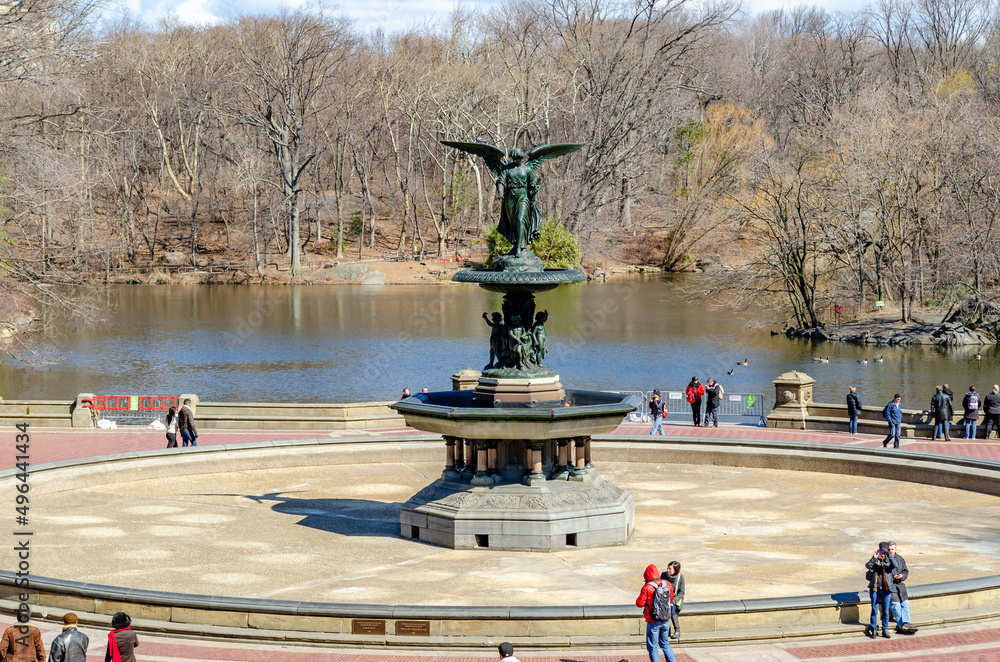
[733, 405]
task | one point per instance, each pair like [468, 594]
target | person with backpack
[657, 410]
[893, 415]
[656, 600]
[695, 392]
[853, 410]
[971, 404]
[942, 410]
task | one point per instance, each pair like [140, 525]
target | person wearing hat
[122, 640]
[657, 411]
[71, 645]
[893, 414]
[695, 392]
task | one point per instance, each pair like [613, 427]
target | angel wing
[492, 155]
[543, 153]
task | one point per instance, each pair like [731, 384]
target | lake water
[354, 343]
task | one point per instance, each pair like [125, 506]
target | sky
[369, 15]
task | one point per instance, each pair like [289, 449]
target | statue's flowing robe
[520, 220]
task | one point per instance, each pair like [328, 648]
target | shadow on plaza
[347, 517]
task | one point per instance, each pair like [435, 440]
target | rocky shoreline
[889, 332]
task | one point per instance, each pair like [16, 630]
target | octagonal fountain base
[517, 472]
[593, 512]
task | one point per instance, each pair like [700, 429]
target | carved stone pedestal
[545, 516]
[543, 389]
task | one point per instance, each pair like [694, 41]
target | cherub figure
[538, 337]
[520, 344]
[497, 340]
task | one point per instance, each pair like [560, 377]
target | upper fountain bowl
[528, 282]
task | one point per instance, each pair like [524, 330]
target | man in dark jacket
[900, 602]
[713, 398]
[942, 410]
[185, 423]
[991, 407]
[656, 631]
[971, 405]
[881, 568]
[71, 645]
[893, 413]
[853, 410]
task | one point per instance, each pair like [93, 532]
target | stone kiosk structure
[517, 472]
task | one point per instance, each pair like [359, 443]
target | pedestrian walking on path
[853, 410]
[695, 392]
[507, 652]
[893, 414]
[122, 641]
[71, 644]
[22, 642]
[971, 405]
[657, 411]
[942, 410]
[171, 428]
[657, 624]
[185, 423]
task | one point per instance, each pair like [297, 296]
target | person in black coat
[853, 409]
[943, 410]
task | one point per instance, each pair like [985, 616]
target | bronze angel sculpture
[517, 186]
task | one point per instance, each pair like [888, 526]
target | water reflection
[350, 343]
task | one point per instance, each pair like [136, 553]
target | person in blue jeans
[893, 414]
[881, 568]
[656, 631]
[657, 411]
[853, 409]
[971, 404]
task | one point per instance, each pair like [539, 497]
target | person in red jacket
[656, 631]
[695, 392]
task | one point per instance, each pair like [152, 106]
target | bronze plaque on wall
[413, 628]
[367, 626]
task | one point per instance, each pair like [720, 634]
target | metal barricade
[735, 405]
[641, 414]
[134, 409]
[744, 405]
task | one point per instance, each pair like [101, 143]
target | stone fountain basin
[451, 413]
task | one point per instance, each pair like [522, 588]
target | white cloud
[196, 12]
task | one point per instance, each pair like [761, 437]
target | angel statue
[517, 186]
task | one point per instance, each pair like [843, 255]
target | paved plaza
[973, 643]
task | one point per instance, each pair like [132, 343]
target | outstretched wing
[493, 156]
[543, 153]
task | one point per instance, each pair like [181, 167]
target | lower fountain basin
[452, 413]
